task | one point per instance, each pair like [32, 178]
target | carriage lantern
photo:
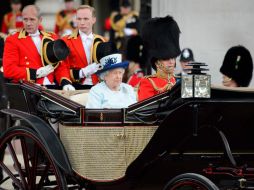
[196, 84]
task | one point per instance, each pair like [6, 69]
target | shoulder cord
[168, 86]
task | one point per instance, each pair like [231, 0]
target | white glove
[127, 31]
[44, 71]
[68, 87]
[89, 70]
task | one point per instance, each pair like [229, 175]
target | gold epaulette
[22, 34]
[46, 33]
[98, 38]
[74, 35]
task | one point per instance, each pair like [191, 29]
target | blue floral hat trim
[111, 62]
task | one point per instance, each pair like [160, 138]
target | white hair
[103, 74]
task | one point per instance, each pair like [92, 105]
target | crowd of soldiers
[68, 57]
[41, 63]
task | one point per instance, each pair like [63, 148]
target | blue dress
[100, 96]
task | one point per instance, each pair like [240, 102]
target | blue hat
[109, 57]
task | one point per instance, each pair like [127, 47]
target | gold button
[27, 63]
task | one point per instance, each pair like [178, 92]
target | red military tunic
[77, 58]
[21, 59]
[153, 85]
[135, 78]
[12, 21]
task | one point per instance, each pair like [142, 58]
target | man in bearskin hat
[12, 21]
[23, 63]
[161, 41]
[237, 67]
[82, 42]
[124, 24]
[65, 19]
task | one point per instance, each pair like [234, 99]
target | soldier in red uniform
[12, 21]
[82, 42]
[161, 40]
[65, 19]
[24, 56]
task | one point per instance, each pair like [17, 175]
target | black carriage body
[211, 137]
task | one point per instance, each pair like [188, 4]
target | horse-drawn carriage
[165, 142]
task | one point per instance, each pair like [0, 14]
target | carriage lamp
[196, 84]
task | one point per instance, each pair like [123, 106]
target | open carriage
[165, 142]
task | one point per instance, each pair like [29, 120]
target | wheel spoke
[26, 160]
[11, 175]
[17, 164]
[34, 165]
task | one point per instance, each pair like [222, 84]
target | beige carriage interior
[102, 152]
[78, 96]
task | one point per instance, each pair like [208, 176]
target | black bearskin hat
[161, 39]
[238, 65]
[186, 55]
[135, 50]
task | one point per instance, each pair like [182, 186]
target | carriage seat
[79, 96]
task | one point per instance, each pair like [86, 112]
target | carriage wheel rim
[189, 183]
[24, 184]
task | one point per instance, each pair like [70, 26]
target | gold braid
[168, 86]
[119, 25]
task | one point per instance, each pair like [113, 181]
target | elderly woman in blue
[111, 92]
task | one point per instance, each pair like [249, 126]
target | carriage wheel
[27, 164]
[190, 181]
